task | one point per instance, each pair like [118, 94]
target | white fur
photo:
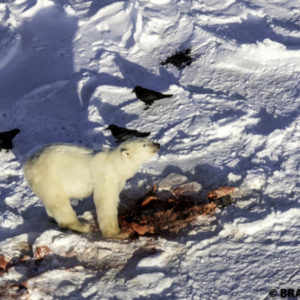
[60, 172]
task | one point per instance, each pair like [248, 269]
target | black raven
[6, 139]
[149, 96]
[123, 134]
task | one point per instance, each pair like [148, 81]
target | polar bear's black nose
[156, 145]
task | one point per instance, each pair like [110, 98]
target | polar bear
[60, 172]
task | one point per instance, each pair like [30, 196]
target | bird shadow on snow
[95, 79]
[220, 94]
[113, 114]
[136, 74]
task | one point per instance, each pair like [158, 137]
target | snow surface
[67, 69]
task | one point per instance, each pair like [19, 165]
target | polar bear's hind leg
[65, 216]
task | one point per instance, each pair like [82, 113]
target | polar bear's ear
[125, 152]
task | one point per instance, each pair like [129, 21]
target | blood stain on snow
[3, 262]
[41, 252]
[153, 216]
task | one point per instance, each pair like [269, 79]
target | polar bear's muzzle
[156, 146]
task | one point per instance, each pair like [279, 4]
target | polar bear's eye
[145, 145]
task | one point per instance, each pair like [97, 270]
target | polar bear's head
[138, 150]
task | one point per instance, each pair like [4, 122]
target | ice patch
[151, 283]
[234, 177]
[177, 184]
[159, 260]
[172, 180]
[255, 180]
[10, 220]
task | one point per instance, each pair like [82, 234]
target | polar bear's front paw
[84, 227]
[122, 235]
[77, 226]
[119, 235]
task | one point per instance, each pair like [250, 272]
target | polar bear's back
[64, 148]
[57, 152]
[59, 164]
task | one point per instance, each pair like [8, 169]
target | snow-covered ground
[67, 69]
